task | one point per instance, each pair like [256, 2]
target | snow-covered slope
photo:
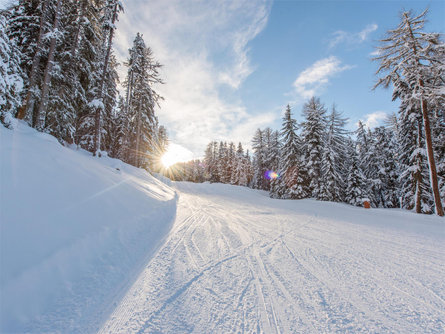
[237, 261]
[74, 231]
[93, 244]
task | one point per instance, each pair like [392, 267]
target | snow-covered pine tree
[409, 60]
[222, 160]
[110, 122]
[156, 149]
[143, 73]
[355, 187]
[332, 166]
[259, 160]
[114, 123]
[414, 188]
[110, 14]
[362, 141]
[231, 163]
[211, 162]
[80, 68]
[386, 187]
[238, 165]
[269, 154]
[55, 36]
[274, 151]
[293, 179]
[244, 167]
[74, 77]
[313, 131]
[28, 22]
[439, 135]
[11, 81]
[249, 169]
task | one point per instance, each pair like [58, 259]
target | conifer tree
[259, 160]
[412, 61]
[387, 186]
[28, 24]
[292, 183]
[143, 73]
[332, 183]
[111, 10]
[314, 127]
[355, 194]
[11, 81]
[413, 179]
[211, 162]
[40, 112]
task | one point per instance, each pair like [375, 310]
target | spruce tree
[355, 186]
[11, 81]
[313, 131]
[292, 183]
[412, 60]
[143, 73]
[332, 182]
[259, 161]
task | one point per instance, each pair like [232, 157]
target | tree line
[400, 165]
[58, 73]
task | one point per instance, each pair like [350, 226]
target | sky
[232, 66]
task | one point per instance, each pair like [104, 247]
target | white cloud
[375, 119]
[342, 36]
[203, 46]
[317, 76]
[375, 53]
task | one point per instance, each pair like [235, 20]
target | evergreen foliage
[59, 74]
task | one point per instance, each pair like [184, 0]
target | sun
[168, 159]
[175, 153]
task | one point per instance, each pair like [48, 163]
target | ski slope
[74, 231]
[90, 245]
[237, 261]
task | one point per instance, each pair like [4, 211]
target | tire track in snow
[228, 266]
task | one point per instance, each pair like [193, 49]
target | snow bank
[393, 219]
[73, 231]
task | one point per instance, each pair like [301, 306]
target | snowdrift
[74, 230]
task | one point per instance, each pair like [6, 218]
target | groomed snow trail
[239, 262]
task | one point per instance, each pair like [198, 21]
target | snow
[237, 261]
[74, 230]
[92, 244]
[98, 104]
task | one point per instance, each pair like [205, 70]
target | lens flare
[271, 175]
[175, 153]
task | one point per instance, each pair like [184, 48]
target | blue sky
[232, 66]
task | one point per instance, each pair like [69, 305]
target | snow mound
[74, 230]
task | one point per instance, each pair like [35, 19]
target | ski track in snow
[234, 267]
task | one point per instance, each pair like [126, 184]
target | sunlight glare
[175, 153]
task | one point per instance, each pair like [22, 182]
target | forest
[58, 73]
[400, 165]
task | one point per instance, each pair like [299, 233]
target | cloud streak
[375, 119]
[317, 76]
[203, 46]
[341, 36]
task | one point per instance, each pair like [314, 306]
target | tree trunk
[431, 162]
[28, 105]
[80, 15]
[101, 86]
[418, 174]
[426, 124]
[138, 134]
[40, 115]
